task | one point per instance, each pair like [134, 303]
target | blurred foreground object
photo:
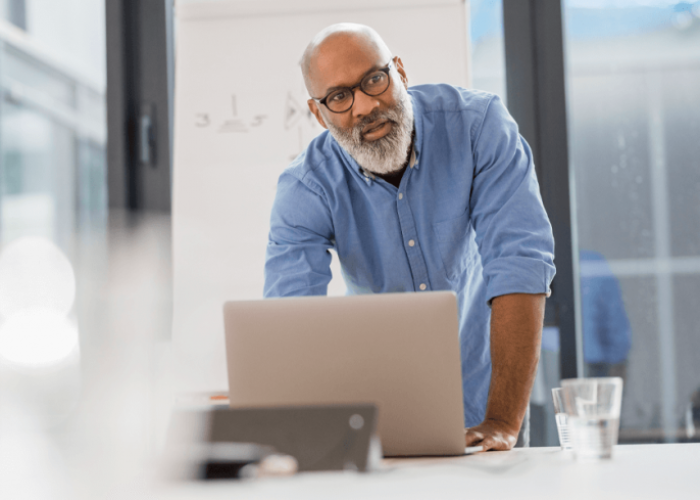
[254, 442]
[37, 292]
[244, 461]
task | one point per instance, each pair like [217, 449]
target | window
[52, 180]
[634, 124]
[487, 53]
[53, 131]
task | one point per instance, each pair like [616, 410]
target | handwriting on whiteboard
[232, 124]
[294, 115]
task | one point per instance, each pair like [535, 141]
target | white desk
[636, 471]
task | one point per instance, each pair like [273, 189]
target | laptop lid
[397, 351]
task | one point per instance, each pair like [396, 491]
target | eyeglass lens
[343, 99]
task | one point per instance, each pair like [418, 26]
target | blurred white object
[39, 346]
[30, 466]
[37, 291]
[34, 273]
[277, 465]
[38, 337]
[689, 422]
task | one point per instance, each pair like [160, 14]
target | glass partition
[52, 115]
[633, 74]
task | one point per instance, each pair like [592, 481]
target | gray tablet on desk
[333, 437]
[398, 351]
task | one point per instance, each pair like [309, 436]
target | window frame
[140, 75]
[535, 83]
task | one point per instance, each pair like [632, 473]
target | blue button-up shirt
[467, 217]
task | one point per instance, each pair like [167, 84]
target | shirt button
[411, 243]
[422, 286]
[400, 196]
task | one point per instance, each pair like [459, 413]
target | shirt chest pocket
[453, 243]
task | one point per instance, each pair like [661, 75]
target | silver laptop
[399, 351]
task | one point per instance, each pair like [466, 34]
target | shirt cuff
[517, 275]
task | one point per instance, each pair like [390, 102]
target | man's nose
[364, 104]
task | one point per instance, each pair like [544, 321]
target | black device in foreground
[320, 438]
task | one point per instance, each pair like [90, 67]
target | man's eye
[374, 79]
[339, 96]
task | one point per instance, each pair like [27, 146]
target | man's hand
[516, 330]
[492, 435]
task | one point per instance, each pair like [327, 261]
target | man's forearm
[516, 332]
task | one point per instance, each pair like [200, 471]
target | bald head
[336, 44]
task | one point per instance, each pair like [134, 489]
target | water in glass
[593, 437]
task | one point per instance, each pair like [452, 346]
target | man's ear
[313, 107]
[399, 67]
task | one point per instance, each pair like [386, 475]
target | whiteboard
[240, 118]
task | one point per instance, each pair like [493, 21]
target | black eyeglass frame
[386, 69]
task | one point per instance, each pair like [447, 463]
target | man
[427, 189]
[607, 334]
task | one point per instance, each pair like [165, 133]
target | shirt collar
[418, 127]
[355, 167]
[413, 162]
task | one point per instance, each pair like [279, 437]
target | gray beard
[385, 155]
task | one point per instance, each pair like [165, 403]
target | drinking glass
[593, 409]
[562, 420]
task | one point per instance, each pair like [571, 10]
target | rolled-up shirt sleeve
[512, 229]
[297, 260]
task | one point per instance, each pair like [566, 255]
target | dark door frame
[535, 82]
[139, 103]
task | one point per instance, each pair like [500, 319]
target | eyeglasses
[374, 84]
